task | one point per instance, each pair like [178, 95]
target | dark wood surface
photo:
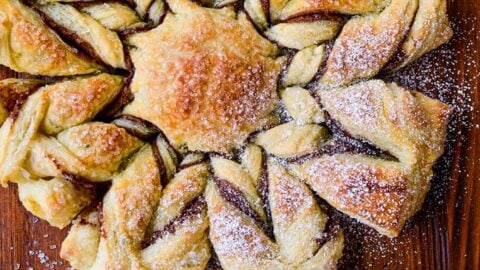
[444, 235]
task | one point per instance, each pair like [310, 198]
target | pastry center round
[206, 78]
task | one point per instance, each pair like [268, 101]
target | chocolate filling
[398, 58]
[331, 230]
[125, 96]
[266, 9]
[323, 66]
[130, 31]
[147, 131]
[363, 146]
[213, 263]
[97, 189]
[162, 17]
[236, 5]
[172, 150]
[314, 17]
[78, 181]
[193, 208]
[235, 197]
[337, 145]
[400, 55]
[342, 142]
[162, 168]
[13, 101]
[192, 163]
[140, 127]
[84, 222]
[283, 71]
[263, 188]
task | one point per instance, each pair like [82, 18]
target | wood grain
[444, 235]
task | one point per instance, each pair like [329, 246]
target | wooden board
[444, 235]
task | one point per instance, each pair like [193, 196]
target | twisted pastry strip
[102, 42]
[27, 45]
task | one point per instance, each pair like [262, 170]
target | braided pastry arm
[383, 190]
[142, 226]
[429, 30]
[102, 42]
[115, 16]
[27, 45]
[367, 43]
[411, 126]
[53, 108]
[52, 154]
[239, 227]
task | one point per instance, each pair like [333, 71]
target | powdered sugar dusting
[235, 237]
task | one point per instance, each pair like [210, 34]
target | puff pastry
[207, 92]
[201, 134]
[28, 45]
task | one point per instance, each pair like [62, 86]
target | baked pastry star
[217, 134]
[204, 77]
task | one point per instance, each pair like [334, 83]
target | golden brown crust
[14, 91]
[429, 30]
[209, 85]
[99, 145]
[299, 7]
[373, 191]
[138, 234]
[390, 120]
[56, 200]
[115, 16]
[126, 212]
[27, 45]
[55, 175]
[83, 238]
[390, 117]
[367, 43]
[99, 41]
[76, 101]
